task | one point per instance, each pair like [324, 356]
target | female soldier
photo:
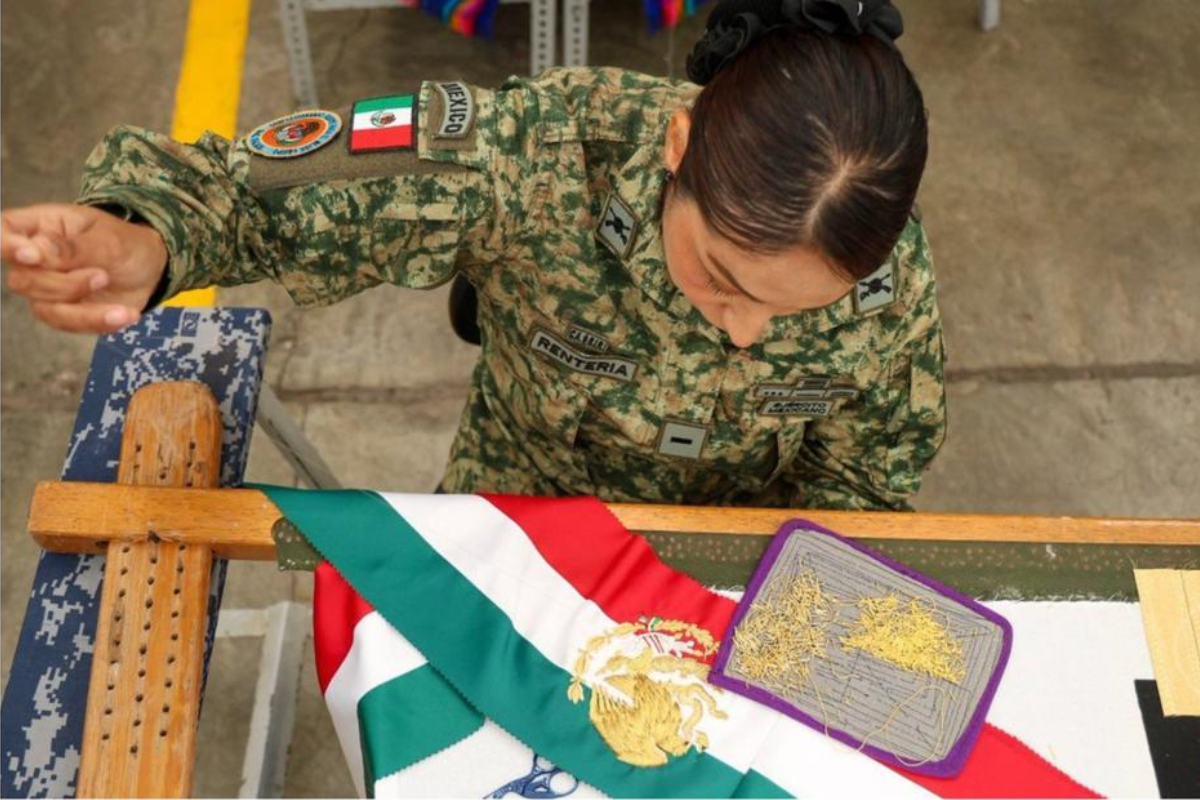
[685, 295]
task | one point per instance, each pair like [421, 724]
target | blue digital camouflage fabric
[596, 375]
[41, 719]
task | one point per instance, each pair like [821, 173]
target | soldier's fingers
[20, 220]
[16, 247]
[37, 283]
[84, 317]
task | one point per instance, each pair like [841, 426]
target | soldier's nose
[745, 330]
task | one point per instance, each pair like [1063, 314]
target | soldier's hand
[80, 268]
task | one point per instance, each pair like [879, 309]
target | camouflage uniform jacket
[596, 375]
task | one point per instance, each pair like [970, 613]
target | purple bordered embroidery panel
[919, 723]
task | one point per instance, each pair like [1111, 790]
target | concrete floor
[1062, 201]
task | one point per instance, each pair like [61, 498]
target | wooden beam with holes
[143, 702]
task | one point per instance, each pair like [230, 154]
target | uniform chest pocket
[416, 245]
[788, 441]
[539, 400]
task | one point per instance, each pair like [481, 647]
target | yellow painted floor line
[210, 83]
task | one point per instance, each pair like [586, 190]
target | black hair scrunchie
[733, 25]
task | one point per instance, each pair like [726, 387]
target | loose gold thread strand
[940, 728]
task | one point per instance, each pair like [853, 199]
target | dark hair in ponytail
[806, 137]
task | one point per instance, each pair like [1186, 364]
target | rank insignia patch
[383, 123]
[458, 110]
[618, 226]
[875, 291]
[294, 135]
[681, 439]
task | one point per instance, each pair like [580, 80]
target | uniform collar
[639, 184]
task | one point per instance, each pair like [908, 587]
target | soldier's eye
[718, 289]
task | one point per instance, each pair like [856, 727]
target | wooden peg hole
[139, 697]
[133, 749]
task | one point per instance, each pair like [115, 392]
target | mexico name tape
[458, 110]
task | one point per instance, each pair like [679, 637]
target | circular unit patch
[295, 135]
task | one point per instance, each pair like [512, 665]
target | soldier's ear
[677, 139]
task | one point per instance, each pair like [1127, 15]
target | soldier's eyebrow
[719, 267]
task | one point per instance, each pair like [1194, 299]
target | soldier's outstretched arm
[312, 202]
[322, 205]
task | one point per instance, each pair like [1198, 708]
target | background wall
[1062, 201]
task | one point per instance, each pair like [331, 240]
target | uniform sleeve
[873, 459]
[325, 225]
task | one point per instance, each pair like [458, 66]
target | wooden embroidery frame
[164, 521]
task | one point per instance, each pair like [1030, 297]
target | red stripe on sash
[1001, 765]
[337, 609]
[585, 544]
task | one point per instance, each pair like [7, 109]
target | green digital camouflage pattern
[514, 207]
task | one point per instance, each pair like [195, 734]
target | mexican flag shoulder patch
[383, 123]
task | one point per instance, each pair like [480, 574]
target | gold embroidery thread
[649, 692]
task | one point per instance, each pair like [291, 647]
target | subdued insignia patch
[796, 408]
[587, 340]
[294, 135]
[548, 344]
[681, 439]
[875, 291]
[817, 389]
[383, 123]
[618, 226]
[458, 110]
